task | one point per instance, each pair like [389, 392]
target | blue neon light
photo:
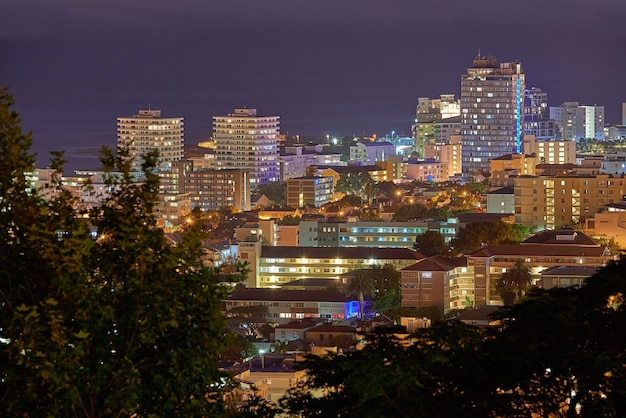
[518, 123]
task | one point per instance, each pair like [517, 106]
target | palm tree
[514, 282]
[279, 347]
[361, 284]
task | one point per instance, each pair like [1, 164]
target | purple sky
[340, 67]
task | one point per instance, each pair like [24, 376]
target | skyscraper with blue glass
[492, 112]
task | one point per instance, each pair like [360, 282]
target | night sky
[337, 67]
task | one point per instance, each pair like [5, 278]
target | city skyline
[354, 68]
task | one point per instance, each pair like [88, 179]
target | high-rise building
[492, 111]
[428, 113]
[148, 131]
[537, 120]
[576, 121]
[246, 141]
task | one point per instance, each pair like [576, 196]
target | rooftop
[341, 253]
[258, 294]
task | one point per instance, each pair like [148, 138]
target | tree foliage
[359, 184]
[514, 283]
[558, 353]
[121, 325]
[431, 243]
[476, 235]
[410, 212]
[275, 191]
[392, 376]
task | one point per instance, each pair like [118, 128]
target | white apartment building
[148, 131]
[249, 142]
[369, 153]
[576, 121]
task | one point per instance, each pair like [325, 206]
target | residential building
[148, 131]
[522, 163]
[550, 248]
[610, 224]
[331, 335]
[173, 209]
[428, 114]
[275, 266]
[457, 283]
[615, 132]
[270, 231]
[249, 142]
[448, 128]
[492, 112]
[550, 202]
[309, 190]
[576, 121]
[294, 160]
[537, 120]
[278, 371]
[425, 283]
[395, 167]
[614, 163]
[448, 153]
[551, 151]
[427, 170]
[208, 188]
[376, 234]
[566, 276]
[501, 200]
[284, 306]
[292, 331]
[369, 153]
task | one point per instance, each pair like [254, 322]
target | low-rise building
[368, 153]
[352, 232]
[427, 170]
[275, 266]
[309, 190]
[550, 202]
[284, 306]
[332, 335]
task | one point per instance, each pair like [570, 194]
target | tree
[386, 280]
[246, 320]
[358, 184]
[279, 347]
[360, 284]
[433, 373]
[369, 215]
[563, 350]
[476, 235]
[431, 243]
[124, 324]
[514, 282]
[275, 191]
[409, 212]
[349, 201]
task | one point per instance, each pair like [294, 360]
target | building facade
[148, 131]
[448, 153]
[275, 266]
[368, 153]
[537, 120]
[550, 202]
[309, 190]
[576, 121]
[375, 234]
[249, 142]
[492, 112]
